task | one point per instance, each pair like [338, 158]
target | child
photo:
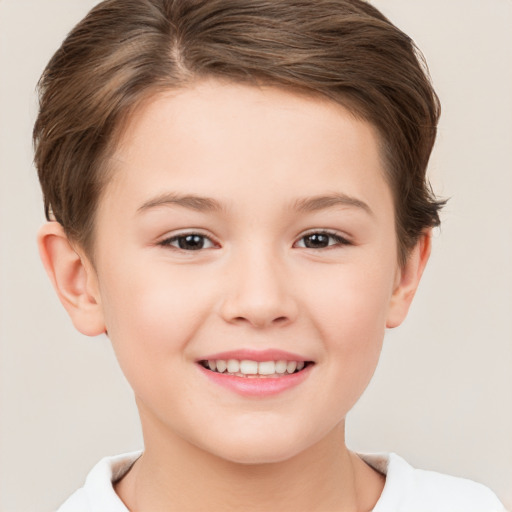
[236, 195]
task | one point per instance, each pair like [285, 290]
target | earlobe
[408, 279]
[73, 278]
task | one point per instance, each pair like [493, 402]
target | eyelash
[176, 238]
[337, 237]
[339, 240]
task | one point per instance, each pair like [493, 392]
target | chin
[254, 456]
[267, 447]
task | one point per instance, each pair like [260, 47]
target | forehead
[237, 140]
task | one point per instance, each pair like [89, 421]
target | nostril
[261, 321]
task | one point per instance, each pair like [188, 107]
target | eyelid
[342, 238]
[166, 240]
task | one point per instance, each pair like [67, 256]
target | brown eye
[191, 242]
[322, 240]
[316, 241]
[188, 242]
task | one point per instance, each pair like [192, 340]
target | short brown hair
[125, 51]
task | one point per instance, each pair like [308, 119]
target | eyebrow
[190, 201]
[311, 204]
[207, 204]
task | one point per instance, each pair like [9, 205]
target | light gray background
[442, 395]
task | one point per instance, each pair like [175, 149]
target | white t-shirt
[406, 489]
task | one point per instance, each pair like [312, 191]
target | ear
[408, 279]
[73, 278]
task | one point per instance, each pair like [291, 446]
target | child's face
[267, 170]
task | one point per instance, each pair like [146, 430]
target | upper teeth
[248, 367]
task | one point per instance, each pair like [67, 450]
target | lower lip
[257, 386]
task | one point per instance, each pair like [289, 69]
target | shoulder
[408, 489]
[98, 492]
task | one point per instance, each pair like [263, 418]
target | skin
[259, 154]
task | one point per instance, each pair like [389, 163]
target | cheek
[350, 299]
[151, 313]
[350, 313]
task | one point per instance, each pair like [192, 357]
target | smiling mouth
[255, 369]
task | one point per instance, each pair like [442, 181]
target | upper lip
[255, 355]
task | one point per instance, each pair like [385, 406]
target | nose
[259, 293]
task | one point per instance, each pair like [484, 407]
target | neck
[177, 476]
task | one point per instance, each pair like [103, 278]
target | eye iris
[191, 242]
[316, 240]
